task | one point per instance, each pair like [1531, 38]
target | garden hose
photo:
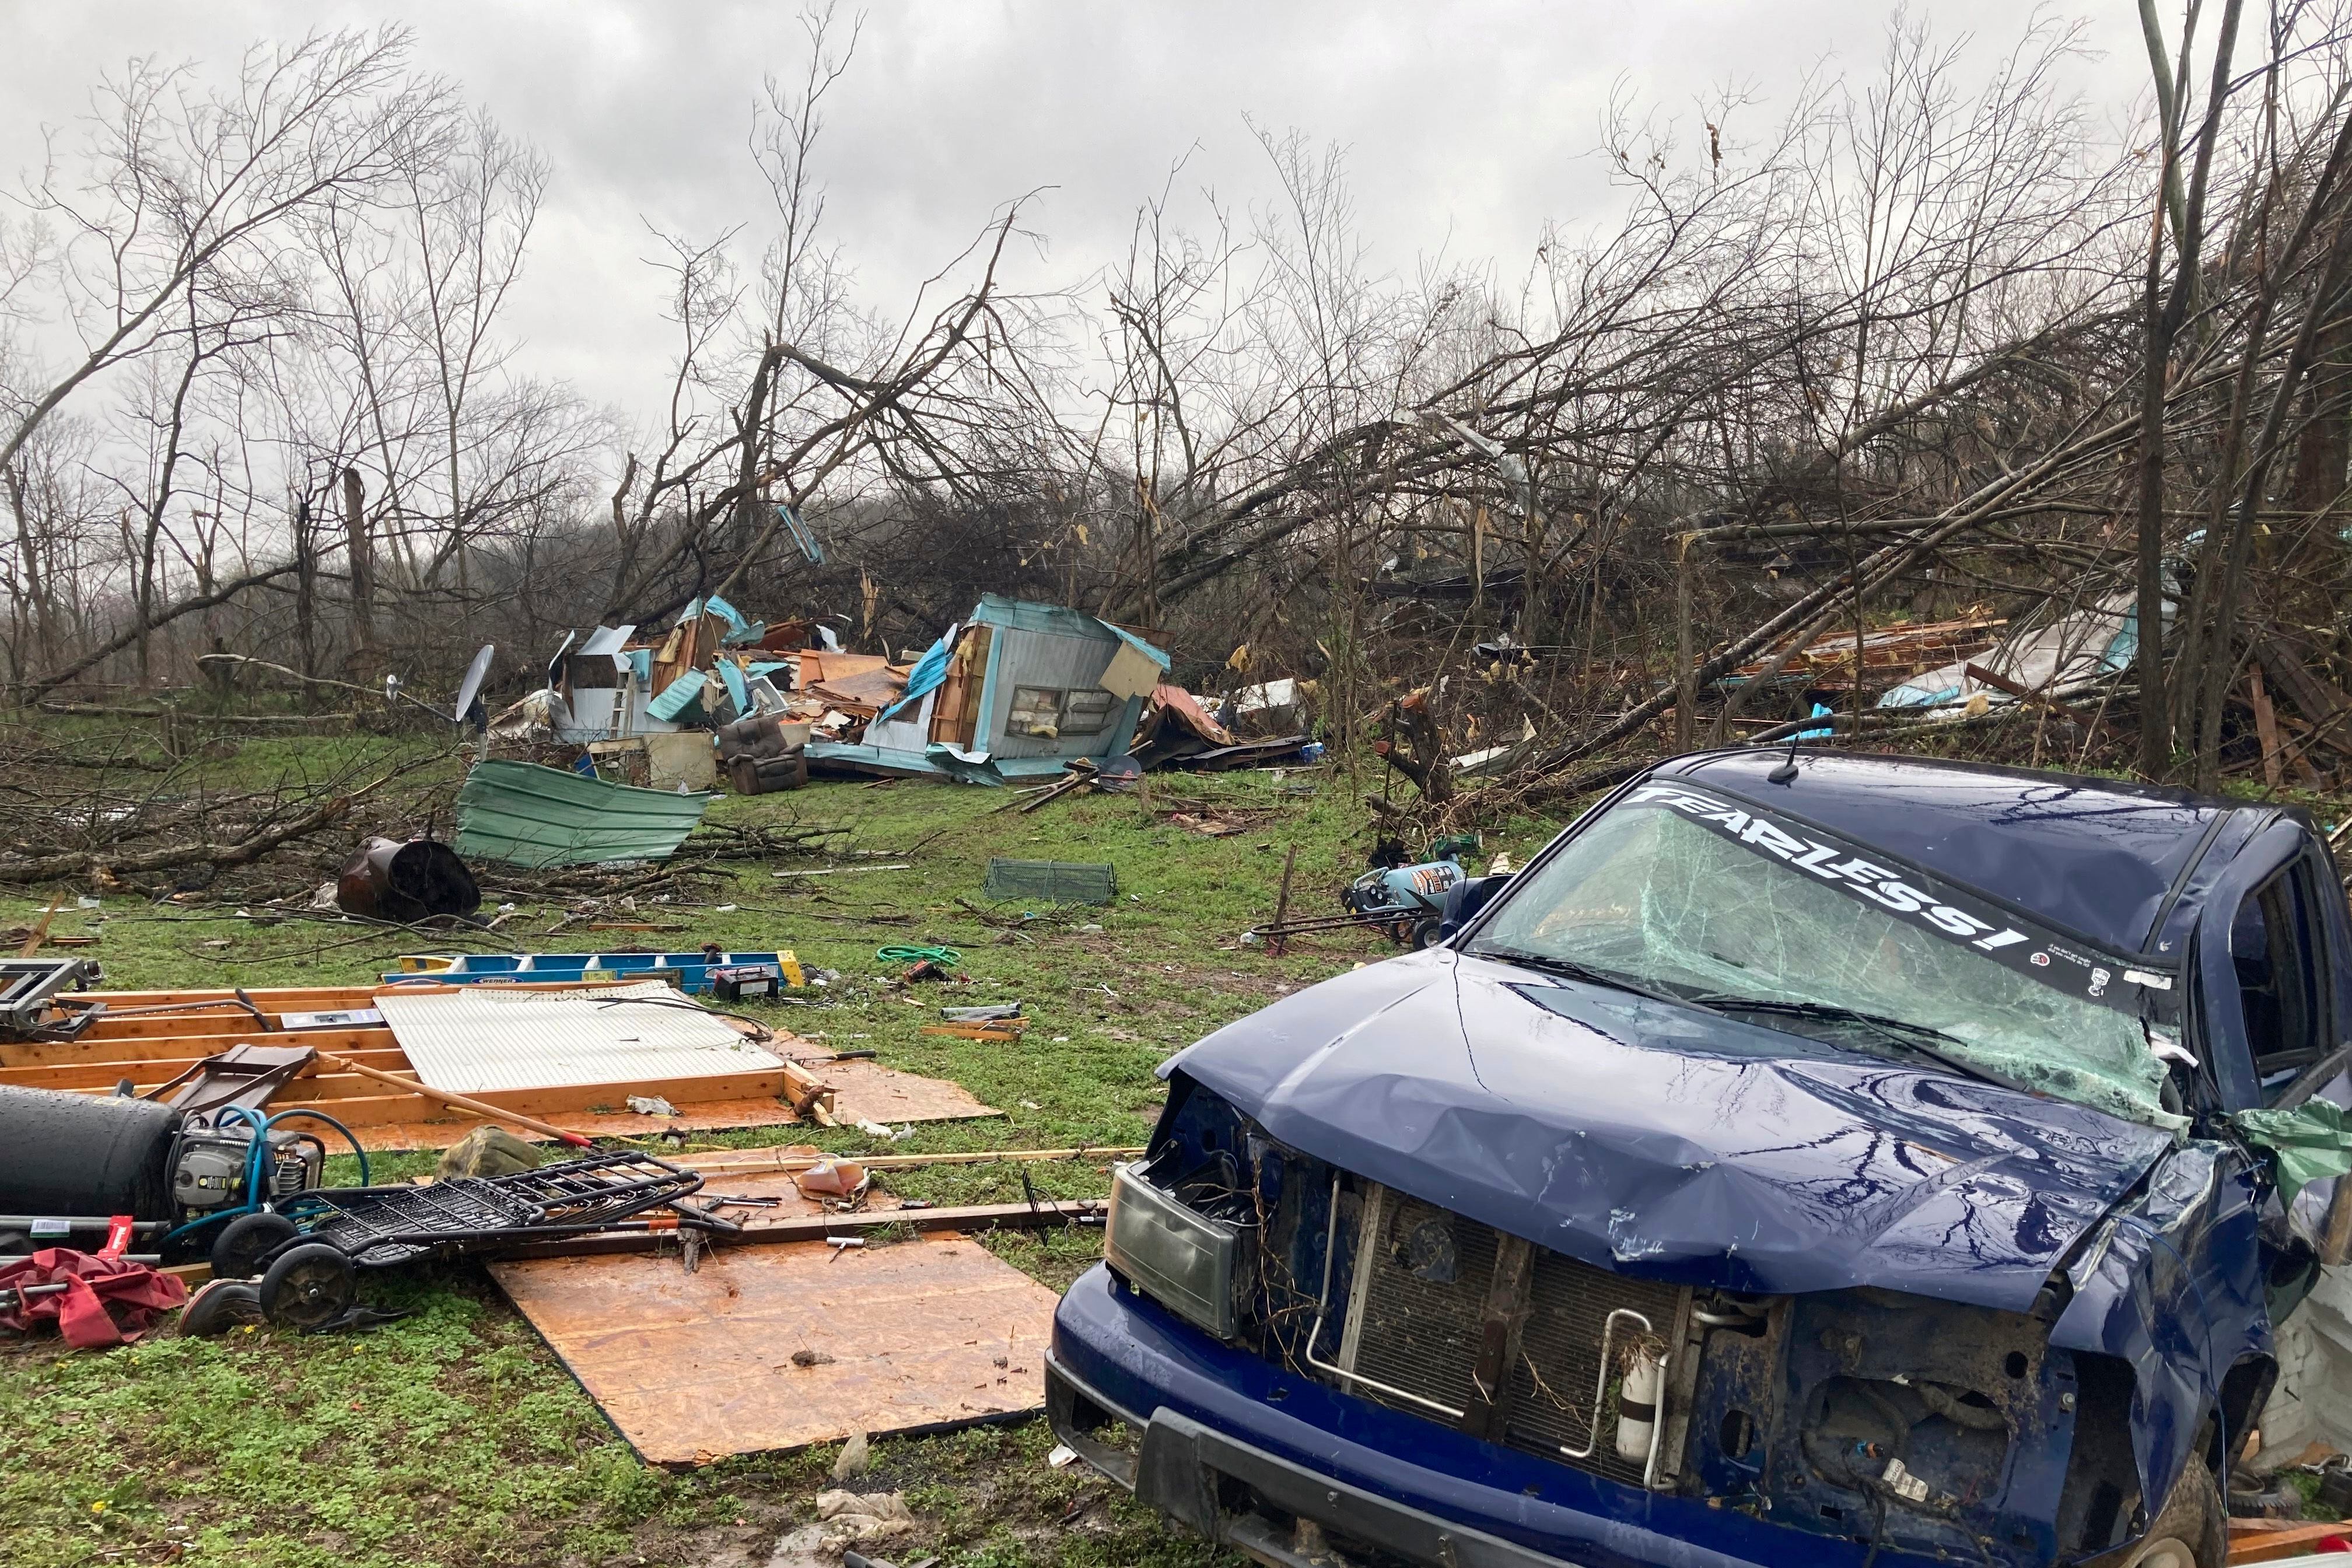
[946, 957]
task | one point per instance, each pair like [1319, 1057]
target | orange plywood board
[922, 1334]
[869, 1091]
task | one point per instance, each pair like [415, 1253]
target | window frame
[1111, 704]
[2293, 938]
[1026, 696]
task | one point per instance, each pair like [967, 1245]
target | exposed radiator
[1415, 1321]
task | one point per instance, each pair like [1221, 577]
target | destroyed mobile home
[1818, 1160]
[1017, 692]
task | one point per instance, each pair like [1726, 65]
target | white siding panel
[481, 1038]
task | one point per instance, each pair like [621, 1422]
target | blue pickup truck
[1818, 1159]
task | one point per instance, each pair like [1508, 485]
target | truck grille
[1415, 1321]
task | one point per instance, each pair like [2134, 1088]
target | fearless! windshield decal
[1951, 916]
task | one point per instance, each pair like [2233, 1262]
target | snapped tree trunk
[361, 549]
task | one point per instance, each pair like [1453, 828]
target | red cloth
[107, 1300]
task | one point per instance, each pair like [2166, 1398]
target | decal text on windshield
[1949, 915]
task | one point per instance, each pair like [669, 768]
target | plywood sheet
[869, 1091]
[922, 1334]
[471, 1041]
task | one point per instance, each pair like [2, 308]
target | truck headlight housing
[1196, 1267]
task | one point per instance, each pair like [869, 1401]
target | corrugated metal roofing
[527, 814]
[679, 698]
[481, 1040]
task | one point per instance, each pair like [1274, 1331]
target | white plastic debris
[1903, 1483]
[651, 1105]
[1063, 1457]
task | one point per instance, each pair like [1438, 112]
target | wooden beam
[2023, 692]
[2265, 725]
[747, 1162]
[2316, 700]
[2281, 1542]
[1045, 1216]
[1000, 1032]
[460, 1102]
[186, 1048]
[107, 1074]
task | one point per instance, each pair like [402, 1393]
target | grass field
[452, 1437]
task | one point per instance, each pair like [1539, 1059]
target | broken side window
[1036, 711]
[1088, 712]
[1695, 898]
[2273, 948]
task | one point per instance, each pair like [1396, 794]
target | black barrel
[84, 1155]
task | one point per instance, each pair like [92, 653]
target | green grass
[452, 1437]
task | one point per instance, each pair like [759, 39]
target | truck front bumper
[1242, 1450]
[1194, 1475]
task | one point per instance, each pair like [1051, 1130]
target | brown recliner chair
[758, 758]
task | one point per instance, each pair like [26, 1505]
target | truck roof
[2096, 856]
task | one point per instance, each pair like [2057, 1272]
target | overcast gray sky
[1467, 125]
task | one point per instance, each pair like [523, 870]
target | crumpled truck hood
[1673, 1143]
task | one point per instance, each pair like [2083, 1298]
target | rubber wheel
[218, 1307]
[308, 1287]
[246, 1240]
[1428, 934]
[2191, 1531]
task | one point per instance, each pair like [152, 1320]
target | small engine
[83, 1155]
[210, 1164]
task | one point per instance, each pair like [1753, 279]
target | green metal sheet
[526, 815]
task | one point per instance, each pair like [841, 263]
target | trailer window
[1036, 711]
[1088, 712]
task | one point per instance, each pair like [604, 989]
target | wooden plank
[40, 931]
[737, 1161]
[425, 1126]
[326, 1087]
[558, 1098]
[1049, 1215]
[1004, 1032]
[2265, 725]
[154, 1074]
[2318, 701]
[924, 1335]
[150, 1057]
[2277, 1545]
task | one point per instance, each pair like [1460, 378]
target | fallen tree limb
[22, 869]
[96, 710]
[187, 607]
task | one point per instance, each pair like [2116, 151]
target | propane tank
[1637, 1405]
[84, 1155]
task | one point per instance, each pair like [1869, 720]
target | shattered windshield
[1674, 892]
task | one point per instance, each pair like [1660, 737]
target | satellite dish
[467, 688]
[471, 686]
